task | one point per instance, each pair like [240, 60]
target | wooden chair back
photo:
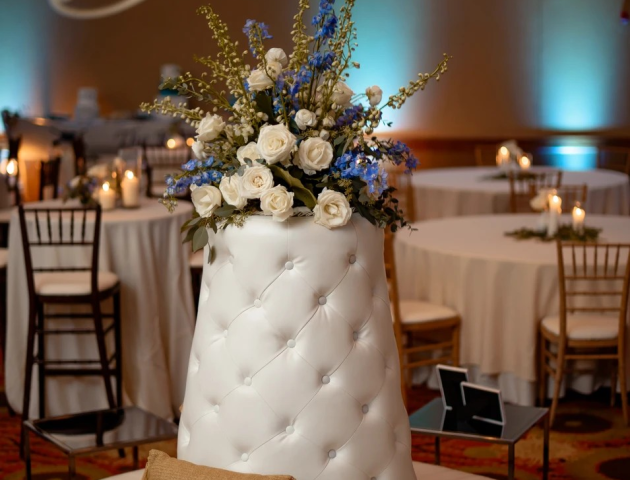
[402, 182]
[392, 283]
[594, 278]
[49, 177]
[524, 188]
[572, 194]
[614, 158]
[59, 227]
[486, 155]
[160, 161]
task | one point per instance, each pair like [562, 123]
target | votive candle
[578, 219]
[524, 162]
[107, 197]
[130, 187]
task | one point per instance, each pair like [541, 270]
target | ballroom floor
[589, 442]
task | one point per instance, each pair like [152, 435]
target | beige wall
[520, 68]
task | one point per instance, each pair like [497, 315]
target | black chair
[160, 161]
[49, 177]
[13, 181]
[80, 158]
[68, 228]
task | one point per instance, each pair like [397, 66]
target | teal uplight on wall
[570, 157]
[582, 53]
[388, 53]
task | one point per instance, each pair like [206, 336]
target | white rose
[332, 209]
[328, 122]
[230, 188]
[374, 94]
[277, 55]
[99, 171]
[258, 80]
[255, 181]
[277, 201]
[206, 199]
[210, 128]
[198, 150]
[305, 118]
[342, 94]
[248, 151]
[315, 154]
[275, 143]
[539, 202]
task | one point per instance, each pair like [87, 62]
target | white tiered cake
[294, 368]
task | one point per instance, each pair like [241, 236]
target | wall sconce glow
[12, 167]
[571, 157]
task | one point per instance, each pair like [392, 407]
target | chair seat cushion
[423, 471]
[585, 326]
[72, 283]
[197, 259]
[4, 257]
[416, 311]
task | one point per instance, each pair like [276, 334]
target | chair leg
[28, 375]
[613, 384]
[623, 385]
[542, 375]
[558, 381]
[41, 358]
[102, 351]
[455, 352]
[118, 341]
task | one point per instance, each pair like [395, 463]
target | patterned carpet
[589, 442]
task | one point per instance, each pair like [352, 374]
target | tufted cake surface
[294, 368]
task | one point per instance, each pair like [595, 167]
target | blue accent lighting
[571, 157]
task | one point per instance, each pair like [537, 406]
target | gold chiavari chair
[572, 194]
[591, 324]
[402, 182]
[159, 162]
[524, 188]
[424, 319]
[614, 158]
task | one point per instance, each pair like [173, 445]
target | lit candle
[107, 197]
[503, 157]
[12, 171]
[171, 143]
[525, 162]
[130, 190]
[555, 209]
[190, 141]
[578, 219]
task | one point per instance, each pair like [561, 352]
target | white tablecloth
[501, 287]
[453, 192]
[143, 247]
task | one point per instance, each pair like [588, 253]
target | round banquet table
[454, 192]
[502, 288]
[143, 247]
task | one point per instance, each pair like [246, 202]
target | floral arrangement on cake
[287, 136]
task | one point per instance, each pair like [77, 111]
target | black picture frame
[450, 379]
[483, 404]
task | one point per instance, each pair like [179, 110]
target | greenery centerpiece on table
[287, 134]
[565, 233]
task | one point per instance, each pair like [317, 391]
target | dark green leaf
[297, 187]
[200, 239]
[189, 235]
[225, 211]
[265, 104]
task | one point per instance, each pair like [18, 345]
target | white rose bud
[328, 122]
[277, 55]
[255, 181]
[374, 94]
[206, 199]
[275, 143]
[210, 128]
[198, 150]
[332, 209]
[315, 154]
[258, 80]
[324, 134]
[342, 94]
[231, 190]
[305, 118]
[277, 201]
[248, 151]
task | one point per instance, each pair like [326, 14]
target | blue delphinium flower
[350, 115]
[321, 61]
[209, 162]
[399, 153]
[264, 32]
[325, 20]
[191, 165]
[353, 165]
